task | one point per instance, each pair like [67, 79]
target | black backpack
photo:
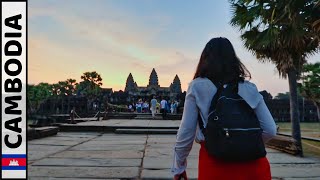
[233, 132]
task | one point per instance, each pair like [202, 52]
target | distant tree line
[38, 94]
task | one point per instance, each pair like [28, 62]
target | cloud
[120, 45]
[114, 47]
[98, 35]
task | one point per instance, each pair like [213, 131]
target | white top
[163, 104]
[199, 94]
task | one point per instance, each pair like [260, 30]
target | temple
[153, 88]
[279, 107]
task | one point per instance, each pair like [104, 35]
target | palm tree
[316, 23]
[280, 32]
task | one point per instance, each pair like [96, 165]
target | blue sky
[116, 37]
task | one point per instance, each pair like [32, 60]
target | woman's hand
[181, 176]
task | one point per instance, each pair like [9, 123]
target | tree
[62, 85]
[281, 32]
[286, 95]
[310, 84]
[283, 96]
[316, 24]
[90, 86]
[62, 90]
[31, 98]
[37, 95]
[56, 91]
[71, 88]
[92, 77]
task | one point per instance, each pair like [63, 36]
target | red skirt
[211, 168]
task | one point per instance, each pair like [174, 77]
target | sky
[115, 38]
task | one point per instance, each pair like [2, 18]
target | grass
[310, 148]
[314, 127]
[307, 129]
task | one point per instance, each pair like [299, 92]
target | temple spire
[176, 85]
[130, 84]
[153, 80]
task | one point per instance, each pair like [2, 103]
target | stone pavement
[80, 155]
[129, 123]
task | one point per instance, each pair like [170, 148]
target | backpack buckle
[216, 118]
[227, 133]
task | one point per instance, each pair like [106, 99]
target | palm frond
[281, 32]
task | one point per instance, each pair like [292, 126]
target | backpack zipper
[239, 129]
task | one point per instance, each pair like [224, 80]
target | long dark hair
[219, 63]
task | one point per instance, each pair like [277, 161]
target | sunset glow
[115, 38]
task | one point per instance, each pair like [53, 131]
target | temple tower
[153, 79]
[130, 84]
[176, 85]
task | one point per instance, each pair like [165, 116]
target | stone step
[159, 117]
[145, 114]
[40, 132]
[148, 117]
[146, 131]
[110, 128]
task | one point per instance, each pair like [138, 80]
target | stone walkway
[79, 155]
[126, 123]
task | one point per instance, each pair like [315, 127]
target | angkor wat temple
[153, 88]
[279, 108]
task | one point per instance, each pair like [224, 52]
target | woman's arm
[266, 121]
[186, 133]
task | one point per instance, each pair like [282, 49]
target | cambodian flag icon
[14, 162]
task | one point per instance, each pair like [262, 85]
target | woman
[219, 63]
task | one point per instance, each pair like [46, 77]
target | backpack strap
[215, 98]
[233, 87]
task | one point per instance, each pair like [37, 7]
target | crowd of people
[154, 106]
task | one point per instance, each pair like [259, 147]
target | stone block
[163, 163]
[165, 174]
[105, 147]
[295, 170]
[54, 142]
[86, 162]
[84, 172]
[125, 154]
[118, 142]
[282, 158]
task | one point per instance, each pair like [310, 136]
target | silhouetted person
[163, 110]
[72, 115]
[153, 105]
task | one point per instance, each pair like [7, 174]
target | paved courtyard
[80, 155]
